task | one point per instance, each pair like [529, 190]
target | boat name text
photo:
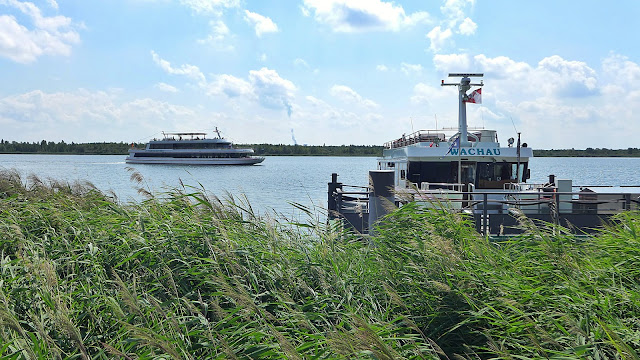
[475, 152]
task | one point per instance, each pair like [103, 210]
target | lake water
[280, 180]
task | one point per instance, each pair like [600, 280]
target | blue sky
[564, 74]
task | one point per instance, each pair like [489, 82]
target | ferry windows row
[187, 145]
[194, 156]
[484, 175]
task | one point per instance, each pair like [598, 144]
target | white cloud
[348, 95]
[411, 69]
[300, 62]
[190, 71]
[454, 19]
[454, 11]
[439, 38]
[166, 87]
[555, 103]
[567, 78]
[325, 118]
[215, 7]
[621, 70]
[382, 68]
[305, 11]
[502, 66]
[262, 24]
[53, 35]
[354, 16]
[451, 62]
[229, 85]
[429, 95]
[468, 27]
[53, 4]
[263, 86]
[85, 116]
[271, 90]
[218, 36]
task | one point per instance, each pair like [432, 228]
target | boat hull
[195, 161]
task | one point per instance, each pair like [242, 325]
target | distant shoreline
[121, 148]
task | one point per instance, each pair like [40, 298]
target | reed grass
[186, 275]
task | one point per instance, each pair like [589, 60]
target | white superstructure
[192, 148]
[456, 160]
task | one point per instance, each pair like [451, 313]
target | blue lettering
[475, 152]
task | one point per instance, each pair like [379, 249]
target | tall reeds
[186, 275]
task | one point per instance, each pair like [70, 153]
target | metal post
[333, 205]
[518, 166]
[381, 197]
[627, 202]
[462, 112]
[485, 214]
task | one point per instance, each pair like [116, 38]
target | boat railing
[496, 212]
[434, 137]
[429, 186]
[581, 210]
[514, 186]
[351, 204]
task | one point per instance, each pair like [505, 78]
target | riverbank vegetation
[184, 275]
[121, 148]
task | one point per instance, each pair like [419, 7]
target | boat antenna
[411, 119]
[514, 124]
[436, 117]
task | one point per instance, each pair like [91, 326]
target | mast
[464, 86]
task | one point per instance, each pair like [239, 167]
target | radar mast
[464, 86]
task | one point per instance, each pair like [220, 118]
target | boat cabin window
[493, 175]
[484, 175]
[432, 172]
[188, 145]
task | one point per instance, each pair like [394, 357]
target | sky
[564, 74]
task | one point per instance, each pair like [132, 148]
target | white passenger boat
[467, 170]
[456, 161]
[192, 148]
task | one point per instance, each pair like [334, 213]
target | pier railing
[493, 212]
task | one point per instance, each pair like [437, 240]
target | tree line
[120, 148]
[588, 152]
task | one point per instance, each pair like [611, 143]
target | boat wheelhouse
[192, 148]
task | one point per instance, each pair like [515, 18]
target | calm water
[281, 180]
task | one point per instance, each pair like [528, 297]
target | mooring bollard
[381, 197]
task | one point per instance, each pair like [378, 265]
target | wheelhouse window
[432, 172]
[493, 175]
[484, 175]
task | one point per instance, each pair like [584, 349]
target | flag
[475, 97]
[454, 144]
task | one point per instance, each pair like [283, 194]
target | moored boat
[467, 170]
